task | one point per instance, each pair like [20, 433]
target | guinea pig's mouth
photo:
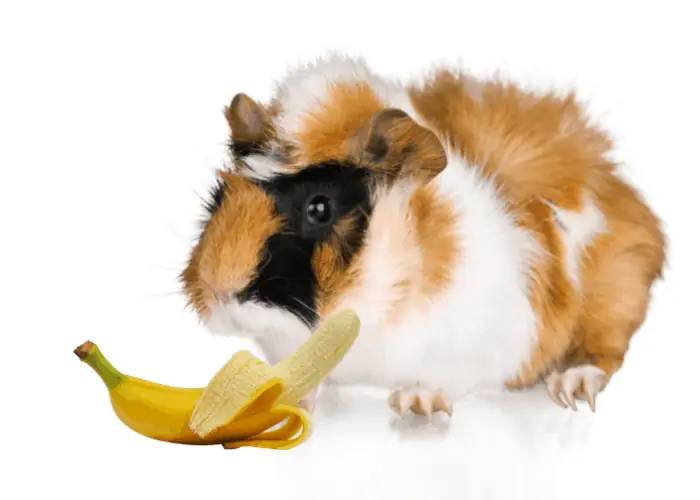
[254, 319]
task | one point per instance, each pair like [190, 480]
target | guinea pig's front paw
[420, 400]
[578, 382]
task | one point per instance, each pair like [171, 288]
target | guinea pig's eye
[319, 210]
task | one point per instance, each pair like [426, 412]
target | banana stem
[91, 355]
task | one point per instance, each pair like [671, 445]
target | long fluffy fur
[526, 254]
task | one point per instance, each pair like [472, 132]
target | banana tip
[83, 349]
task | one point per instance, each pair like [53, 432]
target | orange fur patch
[539, 148]
[552, 295]
[617, 273]
[326, 130]
[333, 274]
[198, 295]
[226, 257]
[435, 223]
[534, 147]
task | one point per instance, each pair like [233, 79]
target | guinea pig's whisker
[177, 234]
[308, 324]
[276, 278]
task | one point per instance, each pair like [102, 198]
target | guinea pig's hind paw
[420, 400]
[579, 382]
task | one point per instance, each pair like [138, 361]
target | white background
[110, 127]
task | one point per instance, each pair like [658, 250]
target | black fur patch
[212, 203]
[285, 274]
[216, 197]
[243, 149]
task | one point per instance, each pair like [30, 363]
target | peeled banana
[246, 403]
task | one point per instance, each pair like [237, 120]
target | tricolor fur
[482, 234]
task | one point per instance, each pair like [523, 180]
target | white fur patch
[263, 167]
[279, 332]
[477, 334]
[578, 230]
[305, 86]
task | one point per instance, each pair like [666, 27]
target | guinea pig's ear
[249, 122]
[393, 144]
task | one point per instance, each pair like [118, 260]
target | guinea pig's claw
[570, 399]
[554, 389]
[590, 397]
[442, 403]
[420, 401]
[399, 402]
[580, 382]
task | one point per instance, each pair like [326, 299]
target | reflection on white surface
[510, 445]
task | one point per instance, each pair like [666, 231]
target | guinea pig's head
[286, 222]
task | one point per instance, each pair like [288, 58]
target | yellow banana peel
[246, 403]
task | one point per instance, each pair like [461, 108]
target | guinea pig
[481, 232]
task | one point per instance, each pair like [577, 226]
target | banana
[244, 401]
[227, 396]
